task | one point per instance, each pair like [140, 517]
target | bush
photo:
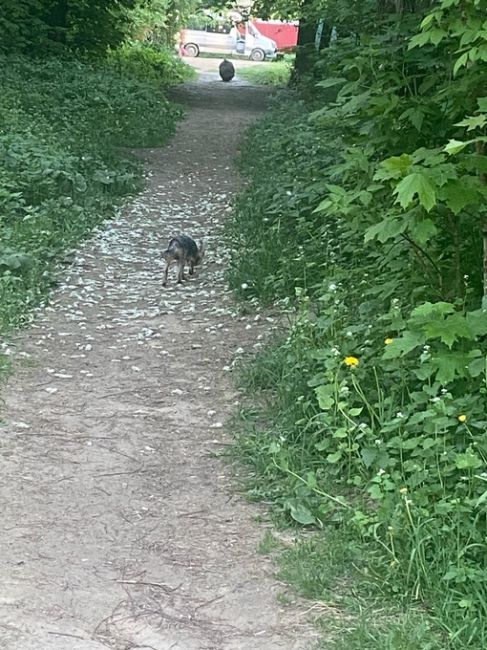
[150, 62]
[366, 208]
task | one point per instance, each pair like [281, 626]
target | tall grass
[276, 73]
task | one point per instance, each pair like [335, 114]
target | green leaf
[437, 35]
[416, 117]
[325, 396]
[449, 330]
[411, 443]
[460, 62]
[451, 574]
[449, 366]
[332, 81]
[354, 412]
[455, 146]
[477, 321]
[457, 195]
[302, 515]
[468, 460]
[482, 498]
[431, 310]
[386, 229]
[334, 458]
[322, 445]
[403, 345]
[375, 492]
[397, 165]
[477, 366]
[418, 40]
[475, 122]
[324, 205]
[416, 184]
[423, 230]
[311, 481]
[369, 454]
[15, 261]
[434, 15]
[475, 162]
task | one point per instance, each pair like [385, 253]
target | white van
[220, 35]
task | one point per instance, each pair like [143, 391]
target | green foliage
[88, 28]
[337, 573]
[42, 27]
[150, 62]
[60, 171]
[399, 632]
[366, 209]
[276, 73]
[157, 21]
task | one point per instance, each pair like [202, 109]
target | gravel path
[120, 528]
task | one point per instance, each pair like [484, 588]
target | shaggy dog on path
[183, 250]
[227, 71]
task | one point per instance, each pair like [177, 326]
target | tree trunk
[305, 47]
[58, 19]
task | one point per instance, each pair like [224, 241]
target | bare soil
[121, 526]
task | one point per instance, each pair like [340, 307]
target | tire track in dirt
[120, 528]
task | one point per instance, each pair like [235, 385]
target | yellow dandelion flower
[388, 341]
[462, 418]
[351, 362]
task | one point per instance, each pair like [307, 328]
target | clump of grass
[268, 545]
[336, 571]
[276, 73]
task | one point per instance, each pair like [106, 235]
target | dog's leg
[181, 271]
[164, 282]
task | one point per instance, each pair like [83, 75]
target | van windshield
[207, 24]
[252, 30]
[219, 28]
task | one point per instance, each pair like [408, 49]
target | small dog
[183, 250]
[226, 70]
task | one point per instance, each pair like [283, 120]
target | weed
[268, 544]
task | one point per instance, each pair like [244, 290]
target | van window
[204, 23]
[219, 28]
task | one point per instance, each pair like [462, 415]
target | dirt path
[119, 527]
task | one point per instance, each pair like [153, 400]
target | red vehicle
[284, 34]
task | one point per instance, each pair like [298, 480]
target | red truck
[283, 33]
